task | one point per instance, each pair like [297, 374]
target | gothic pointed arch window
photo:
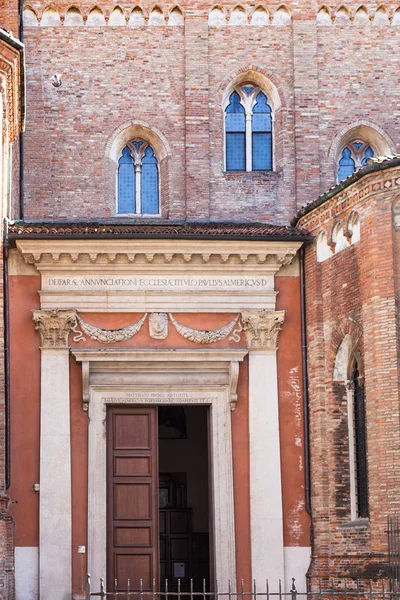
[352, 157]
[357, 445]
[248, 130]
[138, 180]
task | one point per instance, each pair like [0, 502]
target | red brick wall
[173, 79]
[354, 292]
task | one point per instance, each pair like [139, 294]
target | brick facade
[354, 293]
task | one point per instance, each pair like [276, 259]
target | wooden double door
[132, 497]
[147, 539]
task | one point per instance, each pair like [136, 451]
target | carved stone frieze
[54, 327]
[158, 325]
[107, 336]
[262, 328]
[201, 336]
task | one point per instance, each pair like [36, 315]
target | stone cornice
[87, 253]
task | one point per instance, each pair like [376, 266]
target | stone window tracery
[138, 180]
[248, 130]
[353, 156]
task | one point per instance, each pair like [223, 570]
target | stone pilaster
[55, 522]
[262, 330]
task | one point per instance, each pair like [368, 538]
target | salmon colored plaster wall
[79, 469]
[296, 521]
[25, 408]
[241, 477]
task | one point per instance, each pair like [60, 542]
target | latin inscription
[157, 283]
[160, 397]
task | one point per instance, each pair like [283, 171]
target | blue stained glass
[235, 151]
[248, 89]
[357, 145]
[137, 144]
[369, 153]
[235, 127]
[149, 188]
[126, 183]
[347, 166]
[234, 105]
[262, 151]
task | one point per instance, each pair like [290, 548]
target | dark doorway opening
[184, 514]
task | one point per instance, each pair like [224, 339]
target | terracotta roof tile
[152, 229]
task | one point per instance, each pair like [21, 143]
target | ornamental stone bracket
[54, 327]
[262, 328]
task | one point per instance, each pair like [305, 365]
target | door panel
[132, 490]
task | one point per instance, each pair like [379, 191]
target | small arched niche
[353, 227]
[342, 16]
[344, 361]
[29, 17]
[324, 18]
[136, 18]
[176, 17]
[381, 17]
[96, 18]
[323, 250]
[396, 17]
[396, 213]
[156, 17]
[73, 17]
[238, 17]
[117, 17]
[260, 17]
[361, 17]
[338, 238]
[281, 16]
[216, 17]
[50, 18]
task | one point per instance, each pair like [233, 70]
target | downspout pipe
[6, 356]
[307, 475]
[21, 137]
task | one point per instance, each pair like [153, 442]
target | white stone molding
[54, 326]
[163, 376]
[158, 325]
[55, 518]
[106, 336]
[202, 336]
[266, 517]
[172, 276]
[262, 328]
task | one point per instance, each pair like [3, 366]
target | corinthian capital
[54, 326]
[262, 328]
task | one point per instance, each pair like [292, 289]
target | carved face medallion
[158, 326]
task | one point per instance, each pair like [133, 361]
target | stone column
[55, 552]
[267, 555]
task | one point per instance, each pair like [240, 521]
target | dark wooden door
[132, 497]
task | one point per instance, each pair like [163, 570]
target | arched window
[138, 187]
[353, 157]
[357, 446]
[248, 130]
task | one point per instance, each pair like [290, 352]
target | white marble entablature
[158, 275]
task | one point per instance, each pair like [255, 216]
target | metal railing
[321, 590]
[393, 530]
